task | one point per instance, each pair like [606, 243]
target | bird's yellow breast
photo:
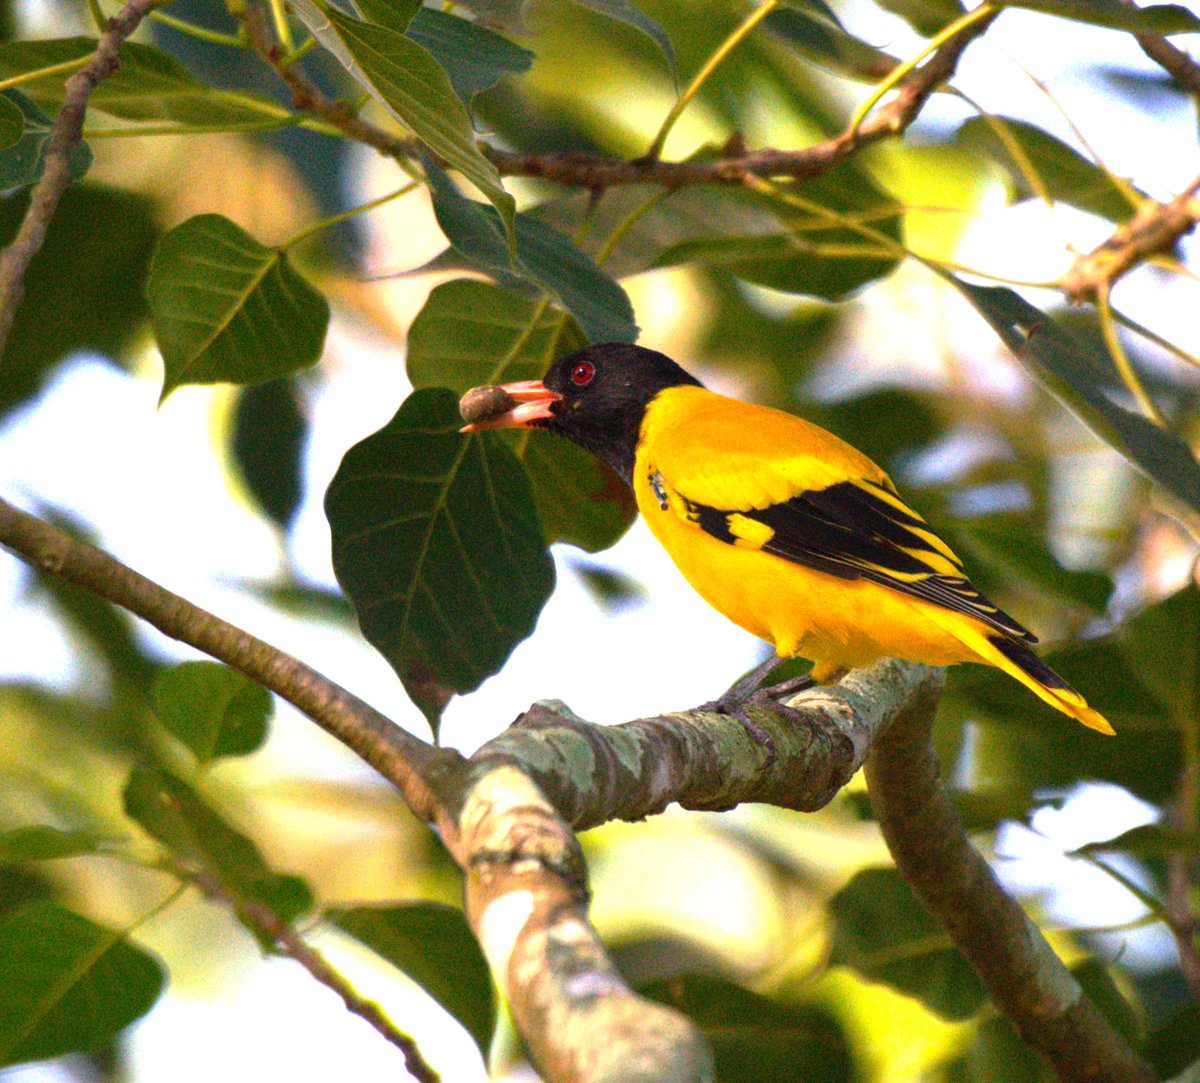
[727, 455]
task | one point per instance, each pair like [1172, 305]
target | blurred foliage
[233, 247]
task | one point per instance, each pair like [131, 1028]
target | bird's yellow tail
[1017, 660]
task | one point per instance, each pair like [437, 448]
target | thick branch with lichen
[1026, 979]
[509, 813]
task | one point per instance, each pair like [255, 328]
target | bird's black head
[605, 390]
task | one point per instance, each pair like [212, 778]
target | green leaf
[78, 296]
[756, 1039]
[769, 243]
[228, 309]
[475, 58]
[270, 431]
[149, 86]
[12, 120]
[1163, 645]
[882, 932]
[926, 17]
[472, 333]
[1065, 173]
[814, 32]
[393, 15]
[39, 842]
[22, 160]
[543, 256]
[67, 984]
[1063, 364]
[1149, 19]
[437, 543]
[432, 944]
[1148, 840]
[1097, 981]
[415, 89]
[212, 709]
[625, 12]
[1175, 1044]
[996, 1055]
[178, 817]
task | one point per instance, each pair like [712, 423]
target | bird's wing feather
[767, 480]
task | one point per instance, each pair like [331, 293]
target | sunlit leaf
[625, 12]
[269, 434]
[756, 1039]
[818, 35]
[39, 842]
[1065, 173]
[149, 85]
[882, 932]
[23, 159]
[1081, 381]
[543, 256]
[228, 309]
[1143, 19]
[212, 709]
[436, 540]
[67, 984]
[415, 89]
[432, 944]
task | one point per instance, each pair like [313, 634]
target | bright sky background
[147, 481]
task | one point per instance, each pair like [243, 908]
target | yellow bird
[786, 529]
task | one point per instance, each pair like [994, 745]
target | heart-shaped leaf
[228, 309]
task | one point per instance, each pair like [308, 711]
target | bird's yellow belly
[837, 623]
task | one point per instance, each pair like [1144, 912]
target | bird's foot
[746, 693]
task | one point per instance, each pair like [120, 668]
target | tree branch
[56, 171]
[1177, 63]
[1154, 228]
[1025, 978]
[267, 922]
[597, 172]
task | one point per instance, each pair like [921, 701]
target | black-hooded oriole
[783, 527]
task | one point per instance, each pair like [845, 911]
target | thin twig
[1177, 63]
[56, 171]
[597, 172]
[266, 921]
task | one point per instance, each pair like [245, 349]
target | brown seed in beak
[504, 406]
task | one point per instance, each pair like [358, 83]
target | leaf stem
[900, 71]
[201, 32]
[718, 57]
[52, 69]
[343, 216]
[1155, 337]
[303, 49]
[283, 30]
[1125, 368]
[97, 14]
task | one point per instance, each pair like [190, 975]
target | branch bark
[508, 816]
[56, 172]
[1026, 979]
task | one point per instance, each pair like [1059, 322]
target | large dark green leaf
[436, 540]
[433, 944]
[22, 160]
[41, 843]
[765, 241]
[415, 89]
[475, 58]
[543, 256]
[67, 984]
[472, 333]
[815, 32]
[228, 309]
[1144, 19]
[212, 709]
[269, 434]
[1081, 380]
[1066, 174]
[149, 85]
[175, 814]
[882, 932]
[12, 120]
[78, 296]
[756, 1039]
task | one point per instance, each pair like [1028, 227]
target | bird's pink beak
[533, 399]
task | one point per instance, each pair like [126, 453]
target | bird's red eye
[582, 373]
